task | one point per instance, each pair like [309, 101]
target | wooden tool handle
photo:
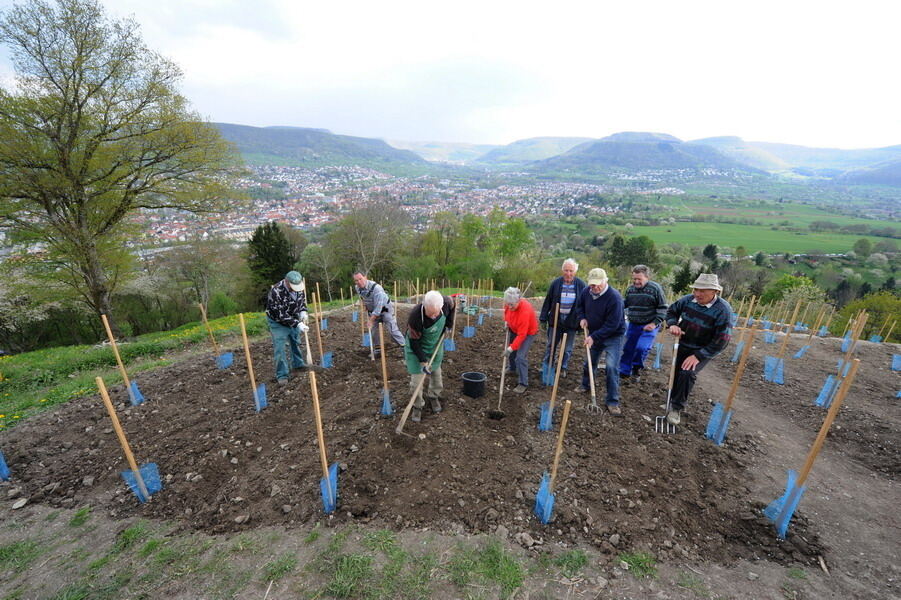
[557, 376]
[364, 316]
[320, 436]
[121, 435]
[409, 407]
[208, 328]
[319, 327]
[112, 341]
[384, 360]
[559, 449]
[741, 367]
[554, 339]
[830, 417]
[590, 367]
[500, 395]
[253, 381]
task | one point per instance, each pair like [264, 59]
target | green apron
[429, 340]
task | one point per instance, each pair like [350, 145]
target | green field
[753, 238]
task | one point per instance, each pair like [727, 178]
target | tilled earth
[620, 485]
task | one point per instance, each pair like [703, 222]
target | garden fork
[661, 424]
[593, 407]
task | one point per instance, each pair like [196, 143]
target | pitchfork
[661, 424]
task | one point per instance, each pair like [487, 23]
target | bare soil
[621, 486]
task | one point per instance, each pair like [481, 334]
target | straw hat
[707, 281]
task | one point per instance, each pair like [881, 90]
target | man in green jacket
[428, 320]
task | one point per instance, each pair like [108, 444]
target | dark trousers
[685, 380]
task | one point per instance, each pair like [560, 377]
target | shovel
[780, 511]
[547, 371]
[328, 485]
[225, 359]
[498, 414]
[403, 418]
[544, 500]
[546, 415]
[387, 408]
[259, 391]
[144, 481]
[593, 407]
[722, 413]
[449, 345]
[134, 394]
[661, 425]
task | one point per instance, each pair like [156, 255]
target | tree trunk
[98, 287]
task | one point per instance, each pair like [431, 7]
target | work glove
[425, 368]
[304, 316]
[303, 327]
[508, 350]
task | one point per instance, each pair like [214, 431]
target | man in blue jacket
[563, 294]
[703, 322]
[645, 305]
[600, 309]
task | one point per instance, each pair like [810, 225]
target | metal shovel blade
[329, 490]
[225, 360]
[4, 470]
[150, 473]
[545, 418]
[327, 360]
[544, 500]
[259, 398]
[134, 394]
[780, 510]
[718, 424]
[387, 408]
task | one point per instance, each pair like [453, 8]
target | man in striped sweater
[703, 322]
[645, 305]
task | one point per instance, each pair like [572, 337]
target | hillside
[446, 152]
[821, 161]
[637, 151]
[531, 149]
[301, 146]
[888, 173]
[745, 152]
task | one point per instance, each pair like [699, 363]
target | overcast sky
[818, 73]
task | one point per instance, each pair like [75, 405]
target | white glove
[304, 316]
[303, 327]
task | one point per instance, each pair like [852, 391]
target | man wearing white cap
[703, 322]
[600, 308]
[286, 314]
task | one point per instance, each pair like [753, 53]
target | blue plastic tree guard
[780, 511]
[329, 490]
[718, 424]
[544, 500]
[150, 473]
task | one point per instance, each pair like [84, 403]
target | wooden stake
[121, 435]
[384, 363]
[319, 333]
[888, 336]
[830, 417]
[363, 316]
[320, 435]
[750, 311]
[559, 449]
[746, 351]
[550, 358]
[318, 300]
[208, 329]
[816, 327]
[557, 376]
[788, 331]
[406, 414]
[112, 341]
[253, 380]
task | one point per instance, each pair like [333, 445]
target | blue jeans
[282, 336]
[519, 360]
[567, 350]
[613, 348]
[635, 350]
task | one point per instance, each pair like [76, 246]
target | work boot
[673, 417]
[636, 375]
[435, 405]
[416, 415]
[520, 389]
[563, 373]
[581, 389]
[614, 410]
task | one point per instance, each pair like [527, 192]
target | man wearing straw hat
[703, 322]
[600, 309]
[522, 327]
[645, 305]
[286, 314]
[379, 307]
[563, 293]
[428, 320]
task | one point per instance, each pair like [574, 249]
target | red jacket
[521, 321]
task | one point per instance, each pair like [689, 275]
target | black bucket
[474, 384]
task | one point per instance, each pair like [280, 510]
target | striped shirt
[707, 329]
[567, 298]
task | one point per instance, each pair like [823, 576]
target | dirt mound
[621, 486]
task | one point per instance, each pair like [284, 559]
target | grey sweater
[646, 304]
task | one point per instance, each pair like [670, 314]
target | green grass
[796, 573]
[280, 567]
[350, 576]
[753, 238]
[641, 564]
[491, 564]
[571, 562]
[150, 547]
[80, 517]
[130, 536]
[244, 544]
[19, 555]
[693, 583]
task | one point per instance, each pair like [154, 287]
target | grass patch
[80, 517]
[796, 573]
[351, 576]
[75, 591]
[572, 562]
[130, 536]
[19, 555]
[244, 544]
[492, 564]
[381, 540]
[689, 581]
[278, 568]
[150, 546]
[641, 564]
[313, 535]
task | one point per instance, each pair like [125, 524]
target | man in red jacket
[522, 326]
